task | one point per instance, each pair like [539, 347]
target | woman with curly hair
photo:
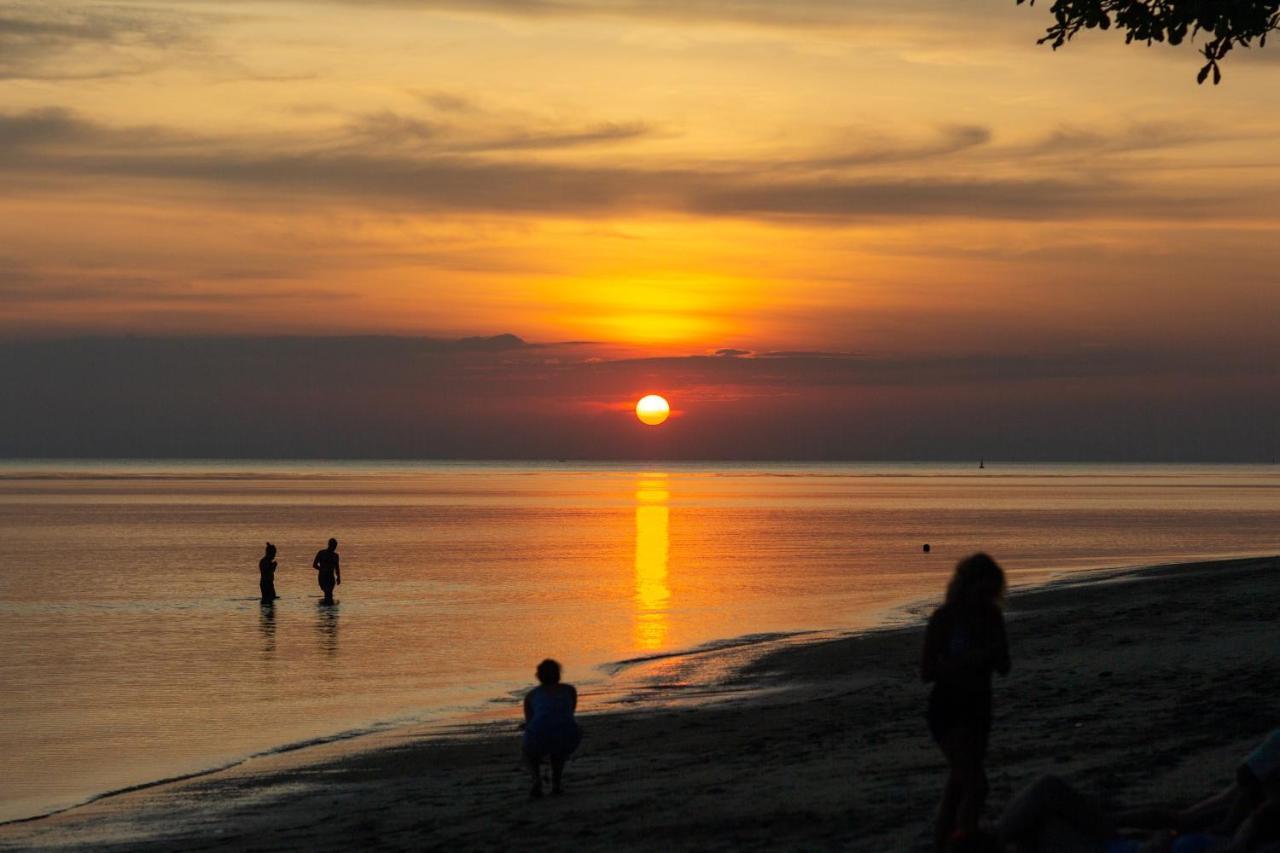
[964, 643]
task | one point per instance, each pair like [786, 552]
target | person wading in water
[330, 575]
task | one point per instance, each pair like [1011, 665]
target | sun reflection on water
[652, 547]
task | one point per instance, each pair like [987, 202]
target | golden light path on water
[652, 551]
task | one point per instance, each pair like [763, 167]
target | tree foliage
[1226, 23]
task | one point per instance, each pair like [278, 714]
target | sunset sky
[823, 228]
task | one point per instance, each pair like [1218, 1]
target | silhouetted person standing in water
[964, 643]
[326, 563]
[267, 575]
[549, 728]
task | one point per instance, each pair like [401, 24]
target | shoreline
[795, 711]
[645, 692]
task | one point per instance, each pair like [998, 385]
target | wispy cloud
[59, 144]
[72, 41]
[26, 285]
[429, 136]
[764, 13]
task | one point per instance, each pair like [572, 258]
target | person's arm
[573, 697]
[999, 645]
[528, 706]
[315, 564]
[932, 650]
[337, 570]
[1258, 826]
[1207, 811]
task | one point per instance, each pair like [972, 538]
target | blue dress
[551, 731]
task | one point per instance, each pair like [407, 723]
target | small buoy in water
[926, 547]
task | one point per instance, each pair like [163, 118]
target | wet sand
[1135, 686]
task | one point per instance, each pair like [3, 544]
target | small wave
[744, 641]
[293, 746]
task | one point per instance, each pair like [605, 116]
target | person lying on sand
[550, 730]
[1049, 815]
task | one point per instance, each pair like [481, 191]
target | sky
[828, 229]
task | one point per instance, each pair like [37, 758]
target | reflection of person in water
[267, 575]
[327, 629]
[330, 575]
[267, 627]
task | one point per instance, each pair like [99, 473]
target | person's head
[333, 544]
[271, 550]
[549, 672]
[978, 579]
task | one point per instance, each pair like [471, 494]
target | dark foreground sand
[1141, 686]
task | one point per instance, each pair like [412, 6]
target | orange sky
[911, 181]
[908, 175]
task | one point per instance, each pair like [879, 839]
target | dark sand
[1136, 687]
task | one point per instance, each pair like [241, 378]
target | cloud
[498, 397]
[72, 41]
[599, 134]
[951, 140]
[24, 286]
[447, 102]
[60, 145]
[807, 14]
[396, 130]
[48, 125]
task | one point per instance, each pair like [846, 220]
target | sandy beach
[1135, 686]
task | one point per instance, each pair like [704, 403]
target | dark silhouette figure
[926, 548]
[267, 575]
[1051, 815]
[964, 643]
[330, 574]
[550, 730]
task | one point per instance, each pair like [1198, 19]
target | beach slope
[1134, 686]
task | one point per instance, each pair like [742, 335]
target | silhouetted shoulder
[939, 618]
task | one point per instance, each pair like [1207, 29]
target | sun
[652, 410]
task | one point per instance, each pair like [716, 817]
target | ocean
[136, 648]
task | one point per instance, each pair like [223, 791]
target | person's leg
[534, 763]
[973, 796]
[945, 821]
[557, 771]
[967, 783]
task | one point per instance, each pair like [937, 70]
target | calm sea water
[136, 648]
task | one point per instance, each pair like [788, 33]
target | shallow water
[137, 648]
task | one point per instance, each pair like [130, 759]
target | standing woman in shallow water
[267, 575]
[964, 643]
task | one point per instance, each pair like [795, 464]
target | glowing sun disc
[652, 410]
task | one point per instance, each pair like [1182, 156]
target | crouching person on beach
[550, 731]
[964, 644]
